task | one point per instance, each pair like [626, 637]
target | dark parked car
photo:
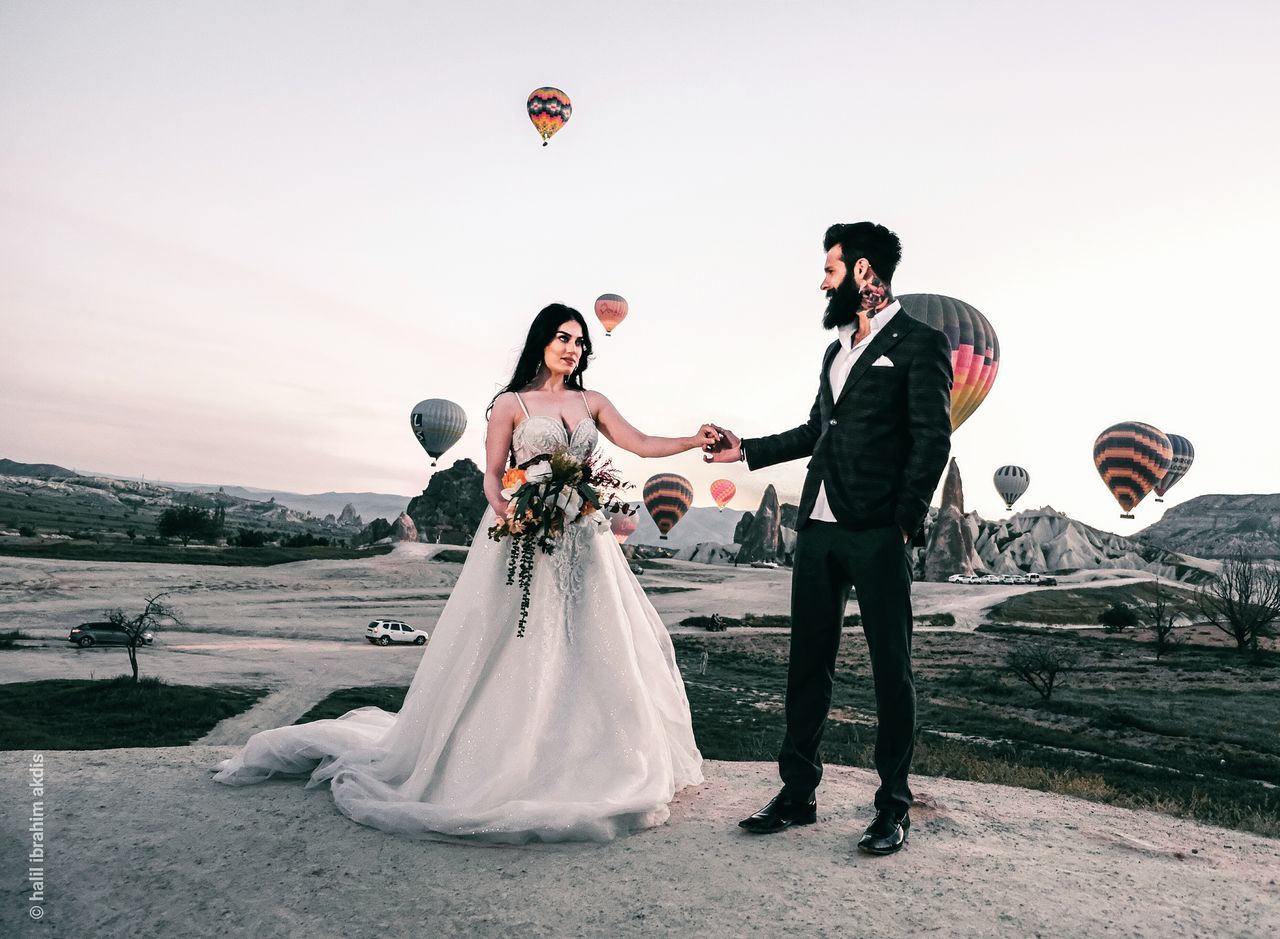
[105, 634]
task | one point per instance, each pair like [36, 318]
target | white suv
[383, 632]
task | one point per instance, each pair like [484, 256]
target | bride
[579, 729]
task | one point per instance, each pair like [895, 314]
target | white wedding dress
[579, 730]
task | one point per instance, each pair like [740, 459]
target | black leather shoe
[782, 812]
[887, 833]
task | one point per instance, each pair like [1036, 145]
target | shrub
[1118, 617]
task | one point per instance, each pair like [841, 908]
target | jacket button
[832, 422]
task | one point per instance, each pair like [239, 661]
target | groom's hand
[727, 450]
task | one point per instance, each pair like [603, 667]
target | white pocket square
[883, 360]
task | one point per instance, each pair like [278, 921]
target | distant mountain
[368, 505]
[700, 523]
[89, 506]
[1214, 526]
[34, 470]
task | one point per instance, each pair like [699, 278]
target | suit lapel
[828, 399]
[888, 337]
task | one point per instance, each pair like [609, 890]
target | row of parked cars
[1039, 580]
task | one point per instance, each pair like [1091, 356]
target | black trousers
[828, 561]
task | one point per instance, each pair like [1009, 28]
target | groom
[878, 437]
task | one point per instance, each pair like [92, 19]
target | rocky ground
[142, 843]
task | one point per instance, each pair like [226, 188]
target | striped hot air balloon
[1011, 482]
[437, 424]
[623, 525]
[549, 109]
[1131, 459]
[1183, 456]
[723, 491]
[611, 310]
[667, 496]
[975, 350]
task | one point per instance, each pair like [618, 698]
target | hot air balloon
[1011, 482]
[611, 310]
[723, 492]
[623, 525]
[549, 109]
[1183, 455]
[1131, 458]
[975, 350]
[437, 424]
[667, 497]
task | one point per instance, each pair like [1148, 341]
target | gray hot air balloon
[1011, 482]
[437, 424]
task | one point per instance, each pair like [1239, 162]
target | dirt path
[280, 707]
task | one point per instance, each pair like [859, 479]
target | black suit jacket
[881, 448]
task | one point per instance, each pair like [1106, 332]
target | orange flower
[514, 478]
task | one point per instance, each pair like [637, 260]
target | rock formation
[764, 539]
[372, 533]
[950, 547]
[450, 508]
[1044, 540]
[403, 529]
[349, 518]
[1215, 526]
[744, 526]
[708, 552]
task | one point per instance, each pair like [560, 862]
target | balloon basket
[662, 537]
[1159, 500]
[433, 462]
[545, 142]
[1126, 516]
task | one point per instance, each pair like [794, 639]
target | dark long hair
[541, 331]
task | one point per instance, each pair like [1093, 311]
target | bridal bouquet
[545, 496]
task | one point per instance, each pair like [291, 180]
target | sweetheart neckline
[557, 421]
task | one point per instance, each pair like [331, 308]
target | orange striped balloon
[667, 496]
[723, 492]
[623, 526]
[1132, 458]
[611, 310]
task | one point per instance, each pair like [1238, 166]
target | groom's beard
[843, 304]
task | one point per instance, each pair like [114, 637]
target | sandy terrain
[143, 843]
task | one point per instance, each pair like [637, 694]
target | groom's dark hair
[881, 247]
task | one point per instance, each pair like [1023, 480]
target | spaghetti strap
[586, 405]
[521, 400]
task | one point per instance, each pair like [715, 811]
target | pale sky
[238, 241]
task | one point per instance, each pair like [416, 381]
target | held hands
[727, 448]
[707, 436]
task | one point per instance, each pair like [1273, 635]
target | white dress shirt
[841, 365]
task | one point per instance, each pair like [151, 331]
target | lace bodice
[535, 435]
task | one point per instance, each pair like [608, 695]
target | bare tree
[1161, 617]
[148, 621]
[1040, 664]
[1243, 600]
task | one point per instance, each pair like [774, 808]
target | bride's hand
[707, 436]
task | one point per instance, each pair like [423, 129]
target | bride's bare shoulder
[505, 407]
[597, 400]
